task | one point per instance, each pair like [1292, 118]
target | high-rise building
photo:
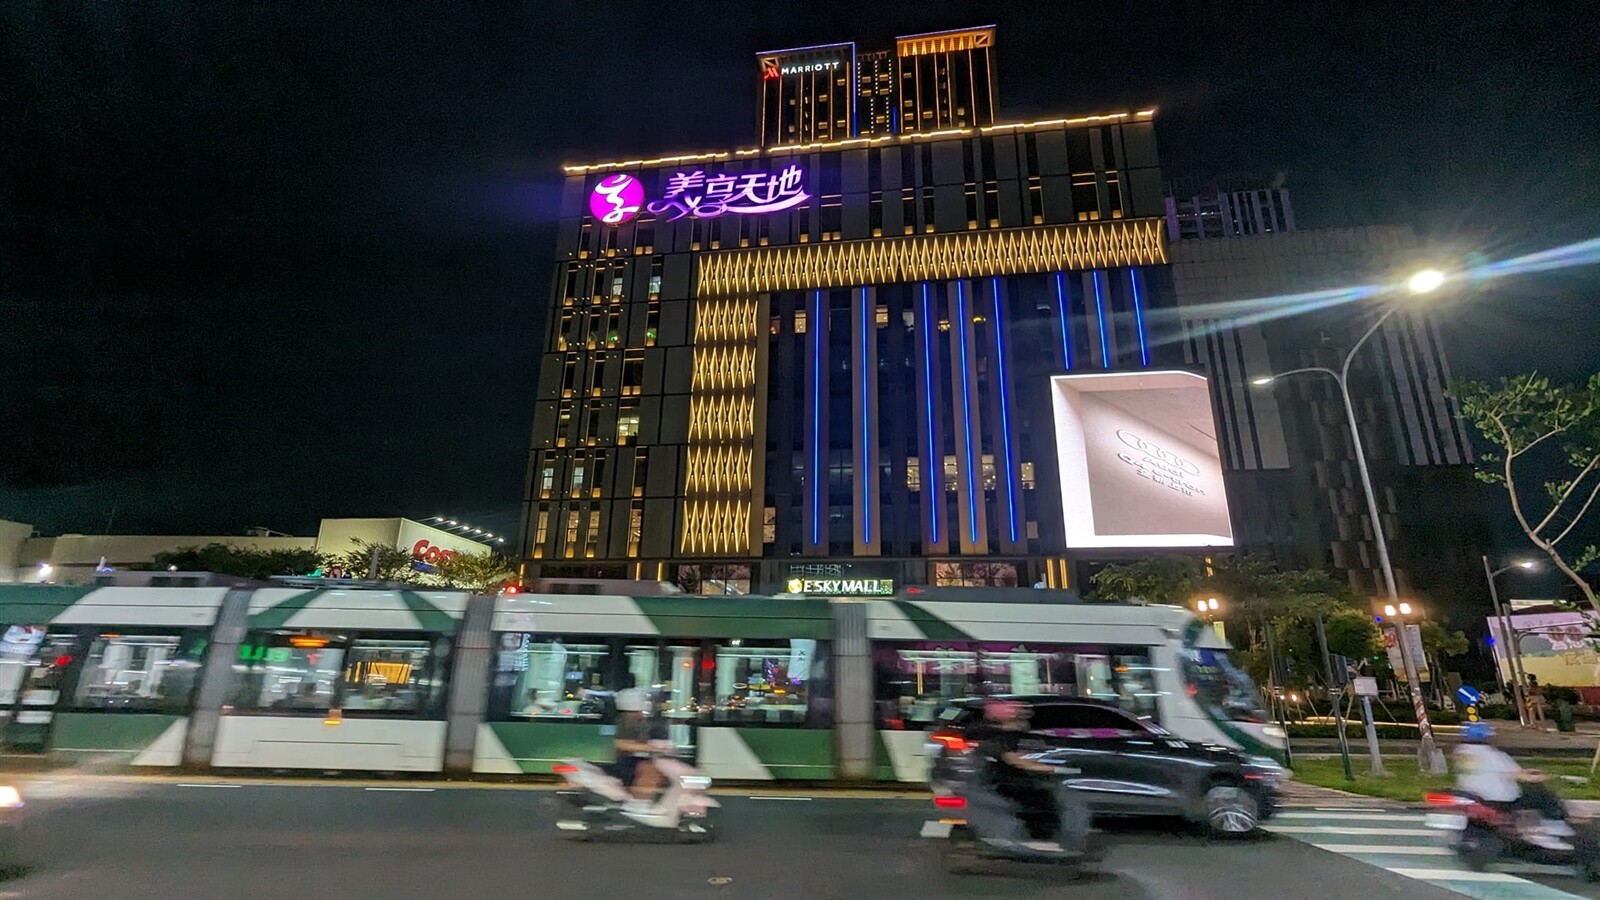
[1286, 447]
[829, 92]
[967, 354]
[1227, 207]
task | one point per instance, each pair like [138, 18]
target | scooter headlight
[696, 782]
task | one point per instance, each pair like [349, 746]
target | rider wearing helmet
[1488, 773]
[632, 744]
[1014, 775]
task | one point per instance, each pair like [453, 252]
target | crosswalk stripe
[1332, 829]
[1458, 875]
[1350, 816]
[1386, 849]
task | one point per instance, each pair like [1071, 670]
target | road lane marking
[206, 784]
[1458, 875]
[402, 790]
[1350, 816]
[755, 797]
[1330, 829]
[1386, 849]
[933, 828]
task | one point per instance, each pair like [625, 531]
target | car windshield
[1222, 688]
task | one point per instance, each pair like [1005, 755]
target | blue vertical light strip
[1066, 323]
[1005, 412]
[1138, 317]
[962, 323]
[933, 477]
[865, 475]
[1100, 315]
[816, 418]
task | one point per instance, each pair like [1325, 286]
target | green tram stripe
[38, 604]
[279, 615]
[933, 627]
[429, 617]
[750, 617]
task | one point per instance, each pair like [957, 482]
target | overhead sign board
[699, 194]
[842, 587]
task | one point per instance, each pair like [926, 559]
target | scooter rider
[1488, 773]
[632, 745]
[1013, 775]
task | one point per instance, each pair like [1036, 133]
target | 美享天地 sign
[842, 587]
[619, 198]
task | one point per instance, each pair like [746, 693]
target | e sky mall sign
[619, 198]
[842, 587]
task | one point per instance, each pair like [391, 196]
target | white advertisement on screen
[1139, 461]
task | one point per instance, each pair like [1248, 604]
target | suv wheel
[1231, 811]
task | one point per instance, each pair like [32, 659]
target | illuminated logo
[769, 68]
[1159, 464]
[842, 587]
[745, 193]
[616, 199]
[431, 554]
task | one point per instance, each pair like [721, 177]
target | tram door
[34, 662]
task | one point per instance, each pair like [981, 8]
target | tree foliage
[1536, 426]
[394, 564]
[1250, 587]
[483, 573]
[240, 562]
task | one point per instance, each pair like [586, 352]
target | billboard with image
[1139, 461]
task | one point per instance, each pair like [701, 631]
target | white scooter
[599, 807]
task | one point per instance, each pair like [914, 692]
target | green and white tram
[756, 688]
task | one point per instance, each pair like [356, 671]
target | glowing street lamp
[1426, 281]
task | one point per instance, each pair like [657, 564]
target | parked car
[1125, 766]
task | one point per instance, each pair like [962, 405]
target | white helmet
[632, 700]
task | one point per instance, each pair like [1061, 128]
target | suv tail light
[950, 802]
[951, 741]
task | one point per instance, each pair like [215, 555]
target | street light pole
[1509, 635]
[1429, 759]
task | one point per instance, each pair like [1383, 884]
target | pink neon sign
[616, 199]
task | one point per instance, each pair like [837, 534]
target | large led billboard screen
[1139, 461]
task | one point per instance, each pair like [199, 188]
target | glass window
[546, 677]
[289, 673]
[915, 681]
[1080, 721]
[141, 672]
[33, 663]
[1222, 689]
[771, 683]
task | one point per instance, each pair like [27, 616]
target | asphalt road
[128, 839]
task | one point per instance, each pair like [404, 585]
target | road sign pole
[1372, 738]
[1334, 692]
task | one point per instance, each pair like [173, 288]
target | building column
[930, 433]
[966, 411]
[864, 428]
[814, 524]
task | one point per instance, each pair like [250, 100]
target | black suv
[1124, 766]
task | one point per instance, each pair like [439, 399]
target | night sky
[265, 263]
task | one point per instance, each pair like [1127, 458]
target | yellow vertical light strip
[719, 466]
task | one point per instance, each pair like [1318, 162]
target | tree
[241, 562]
[1158, 579]
[482, 573]
[394, 564]
[1537, 427]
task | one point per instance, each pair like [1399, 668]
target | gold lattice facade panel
[726, 367]
[718, 469]
[728, 320]
[716, 526]
[935, 257]
[722, 418]
[944, 42]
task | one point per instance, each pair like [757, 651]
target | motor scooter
[597, 804]
[1484, 833]
[987, 826]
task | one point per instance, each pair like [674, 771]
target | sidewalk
[1297, 793]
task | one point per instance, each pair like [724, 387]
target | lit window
[881, 315]
[913, 474]
[799, 321]
[1027, 476]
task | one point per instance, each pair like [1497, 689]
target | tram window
[33, 663]
[772, 683]
[543, 677]
[916, 682]
[287, 672]
[393, 675]
[140, 671]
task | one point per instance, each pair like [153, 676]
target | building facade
[836, 356]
